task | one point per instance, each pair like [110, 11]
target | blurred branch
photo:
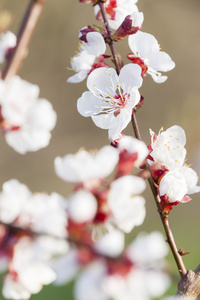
[26, 30]
[73, 241]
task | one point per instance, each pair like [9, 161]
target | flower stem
[26, 30]
[109, 32]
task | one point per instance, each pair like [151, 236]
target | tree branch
[109, 32]
[26, 30]
[170, 239]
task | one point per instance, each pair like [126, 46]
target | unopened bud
[131, 24]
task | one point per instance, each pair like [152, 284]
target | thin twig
[26, 30]
[109, 32]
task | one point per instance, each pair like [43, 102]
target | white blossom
[85, 166]
[44, 213]
[13, 197]
[27, 120]
[83, 61]
[111, 243]
[147, 248]
[29, 273]
[168, 147]
[143, 281]
[126, 205]
[146, 47]
[111, 98]
[82, 206]
[117, 11]
[177, 183]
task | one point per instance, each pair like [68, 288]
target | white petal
[65, 267]
[137, 19]
[35, 274]
[191, 179]
[161, 61]
[130, 76]
[85, 165]
[122, 120]
[14, 289]
[89, 105]
[147, 248]
[12, 199]
[80, 76]
[111, 244]
[103, 81]
[82, 206]
[88, 284]
[173, 184]
[105, 121]
[141, 43]
[96, 43]
[128, 209]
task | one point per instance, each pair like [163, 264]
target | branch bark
[189, 286]
[26, 30]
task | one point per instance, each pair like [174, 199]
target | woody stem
[109, 33]
[26, 30]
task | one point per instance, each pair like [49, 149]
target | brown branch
[26, 30]
[109, 32]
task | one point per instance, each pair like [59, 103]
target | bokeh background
[176, 25]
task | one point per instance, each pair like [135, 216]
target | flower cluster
[47, 238]
[25, 120]
[139, 275]
[26, 252]
[112, 96]
[167, 160]
[105, 206]
[34, 228]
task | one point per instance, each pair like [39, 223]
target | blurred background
[176, 25]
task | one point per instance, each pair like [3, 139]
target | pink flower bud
[84, 31]
[131, 24]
